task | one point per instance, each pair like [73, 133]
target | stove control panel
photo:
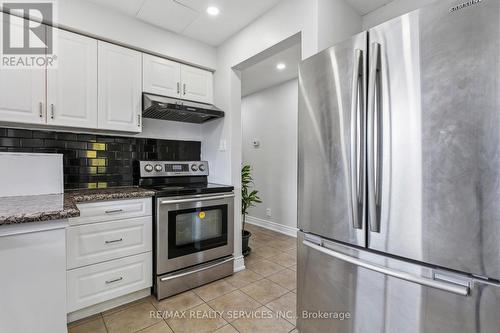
[169, 168]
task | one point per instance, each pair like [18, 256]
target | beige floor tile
[264, 267]
[84, 320]
[95, 325]
[200, 319]
[268, 323]
[213, 290]
[252, 258]
[264, 291]
[261, 238]
[132, 319]
[161, 327]
[128, 305]
[266, 251]
[243, 278]
[285, 278]
[227, 329]
[285, 245]
[231, 304]
[284, 260]
[286, 304]
[292, 252]
[179, 302]
[293, 268]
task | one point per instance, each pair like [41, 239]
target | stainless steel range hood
[166, 108]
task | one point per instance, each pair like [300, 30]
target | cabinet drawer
[94, 284]
[112, 210]
[93, 243]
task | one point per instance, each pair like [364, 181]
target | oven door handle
[178, 201]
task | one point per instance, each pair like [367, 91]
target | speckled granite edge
[71, 198]
[69, 210]
[79, 196]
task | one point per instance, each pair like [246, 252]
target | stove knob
[158, 168]
[201, 167]
[148, 167]
[194, 167]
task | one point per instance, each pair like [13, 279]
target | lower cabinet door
[94, 284]
[97, 242]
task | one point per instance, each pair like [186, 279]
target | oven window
[197, 229]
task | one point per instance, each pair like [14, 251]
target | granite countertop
[37, 208]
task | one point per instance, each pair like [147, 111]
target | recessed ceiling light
[213, 11]
[281, 66]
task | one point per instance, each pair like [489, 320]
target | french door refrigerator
[399, 176]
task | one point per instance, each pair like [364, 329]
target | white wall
[392, 10]
[270, 116]
[337, 20]
[286, 19]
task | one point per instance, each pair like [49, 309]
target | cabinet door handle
[52, 113]
[40, 109]
[184, 88]
[138, 120]
[113, 241]
[114, 280]
[178, 88]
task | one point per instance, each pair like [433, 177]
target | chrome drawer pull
[115, 280]
[113, 241]
[114, 211]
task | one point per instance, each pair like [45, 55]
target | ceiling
[264, 74]
[189, 17]
[365, 6]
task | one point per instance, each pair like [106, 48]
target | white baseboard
[284, 229]
[239, 264]
[113, 303]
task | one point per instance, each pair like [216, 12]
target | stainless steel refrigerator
[399, 176]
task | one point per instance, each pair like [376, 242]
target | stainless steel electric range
[194, 225]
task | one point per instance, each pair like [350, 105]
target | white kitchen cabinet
[94, 284]
[109, 253]
[161, 76]
[22, 97]
[33, 278]
[102, 211]
[93, 243]
[119, 88]
[197, 84]
[72, 84]
[169, 78]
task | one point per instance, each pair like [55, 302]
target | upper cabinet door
[120, 88]
[72, 84]
[22, 91]
[161, 76]
[197, 84]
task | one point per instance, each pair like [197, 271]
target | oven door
[192, 230]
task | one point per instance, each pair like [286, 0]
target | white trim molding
[239, 264]
[284, 229]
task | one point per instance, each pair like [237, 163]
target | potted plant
[249, 197]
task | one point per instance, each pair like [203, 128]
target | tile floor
[265, 293]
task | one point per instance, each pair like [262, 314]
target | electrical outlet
[268, 212]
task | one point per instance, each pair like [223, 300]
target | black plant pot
[245, 238]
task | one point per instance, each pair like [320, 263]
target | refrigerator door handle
[374, 139]
[458, 289]
[356, 169]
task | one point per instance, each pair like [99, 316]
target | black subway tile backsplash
[97, 161]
